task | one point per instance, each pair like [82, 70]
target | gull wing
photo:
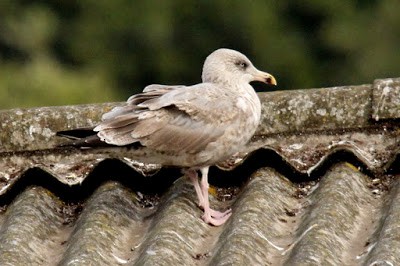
[169, 118]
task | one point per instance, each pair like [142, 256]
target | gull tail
[81, 137]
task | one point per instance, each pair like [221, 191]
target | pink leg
[204, 188]
[192, 174]
[211, 216]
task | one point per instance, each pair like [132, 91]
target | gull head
[230, 66]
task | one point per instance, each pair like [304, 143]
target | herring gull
[192, 127]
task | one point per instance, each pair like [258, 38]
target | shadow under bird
[192, 127]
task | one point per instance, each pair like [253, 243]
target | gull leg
[211, 216]
[192, 174]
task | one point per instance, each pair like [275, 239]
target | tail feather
[82, 137]
[77, 133]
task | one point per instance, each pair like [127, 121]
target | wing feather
[168, 118]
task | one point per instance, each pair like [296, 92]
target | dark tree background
[82, 51]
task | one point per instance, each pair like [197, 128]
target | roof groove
[70, 173]
[339, 228]
[385, 244]
[182, 245]
[338, 220]
[250, 227]
[113, 211]
[32, 215]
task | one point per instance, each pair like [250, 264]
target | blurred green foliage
[70, 51]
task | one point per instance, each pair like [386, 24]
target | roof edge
[307, 110]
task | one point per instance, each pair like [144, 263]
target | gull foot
[218, 214]
[214, 220]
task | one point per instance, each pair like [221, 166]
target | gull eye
[242, 64]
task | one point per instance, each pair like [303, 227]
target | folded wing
[168, 118]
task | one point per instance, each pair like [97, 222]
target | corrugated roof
[318, 185]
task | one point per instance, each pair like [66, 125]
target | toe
[216, 221]
[218, 214]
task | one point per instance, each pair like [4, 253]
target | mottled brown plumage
[196, 126]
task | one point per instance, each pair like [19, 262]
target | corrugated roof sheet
[318, 185]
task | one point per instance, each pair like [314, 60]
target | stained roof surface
[318, 185]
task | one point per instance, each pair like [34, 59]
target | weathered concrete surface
[35, 128]
[386, 99]
[111, 224]
[31, 229]
[266, 216]
[337, 221]
[304, 127]
[328, 109]
[385, 244]
[313, 110]
[343, 217]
